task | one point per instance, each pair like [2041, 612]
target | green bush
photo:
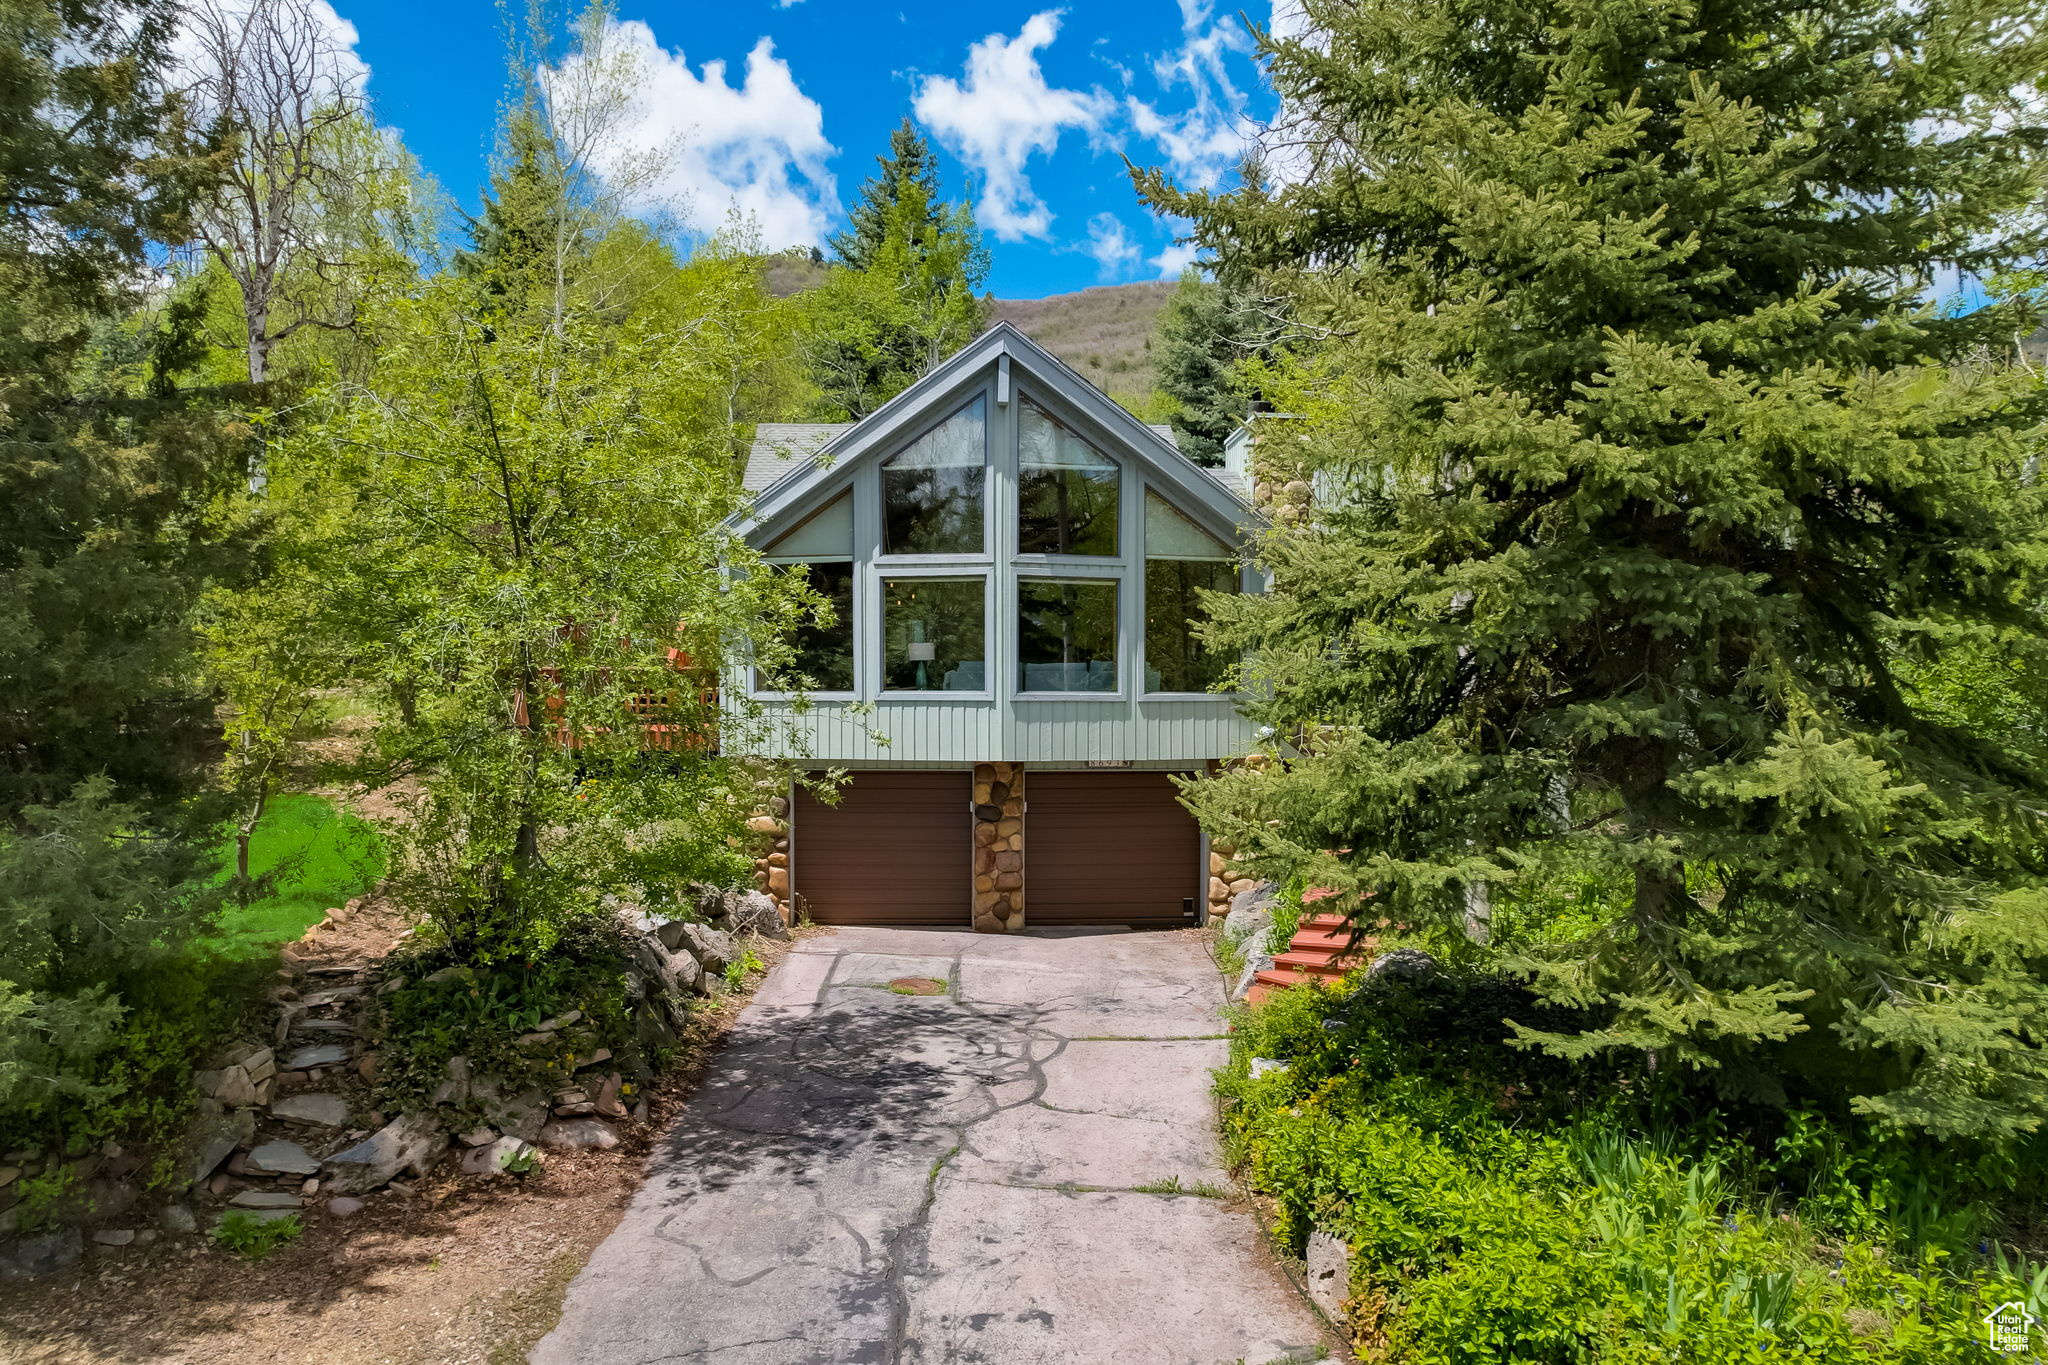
[1504, 1206]
[478, 1013]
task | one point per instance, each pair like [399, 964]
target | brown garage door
[1107, 848]
[895, 850]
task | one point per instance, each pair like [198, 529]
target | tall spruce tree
[1648, 478]
[110, 496]
[909, 167]
[117, 509]
[904, 295]
[1203, 336]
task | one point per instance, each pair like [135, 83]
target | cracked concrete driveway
[866, 1176]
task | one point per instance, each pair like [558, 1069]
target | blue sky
[782, 108]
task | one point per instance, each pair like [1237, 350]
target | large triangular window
[1066, 490]
[932, 492]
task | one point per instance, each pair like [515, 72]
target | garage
[894, 850]
[1109, 848]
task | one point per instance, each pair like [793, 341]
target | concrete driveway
[978, 1176]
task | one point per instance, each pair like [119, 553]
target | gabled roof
[789, 461]
[781, 446]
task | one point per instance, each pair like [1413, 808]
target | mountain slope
[1105, 332]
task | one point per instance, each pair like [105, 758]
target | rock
[476, 1137]
[572, 1109]
[1329, 1273]
[713, 947]
[41, 1253]
[608, 1098]
[264, 1199]
[561, 1021]
[1244, 923]
[640, 1111]
[111, 1198]
[176, 1218]
[1403, 964]
[319, 1054]
[283, 1158]
[764, 824]
[213, 1138]
[8, 1175]
[367, 1067]
[523, 1116]
[492, 1160]
[321, 999]
[1268, 1066]
[410, 1141]
[754, 912]
[1258, 962]
[329, 1028]
[597, 1058]
[341, 1206]
[454, 1090]
[446, 974]
[670, 932]
[114, 1237]
[219, 1185]
[1259, 896]
[327, 1111]
[579, 1134]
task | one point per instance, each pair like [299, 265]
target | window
[933, 636]
[1181, 560]
[1066, 490]
[823, 653]
[1066, 636]
[932, 492]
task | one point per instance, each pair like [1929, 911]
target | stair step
[1318, 964]
[1337, 939]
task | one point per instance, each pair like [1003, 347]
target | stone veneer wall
[998, 847]
[770, 829]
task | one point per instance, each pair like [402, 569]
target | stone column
[770, 830]
[998, 847]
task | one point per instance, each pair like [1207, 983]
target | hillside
[1105, 332]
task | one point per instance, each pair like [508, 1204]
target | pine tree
[111, 498]
[909, 168]
[905, 296]
[1648, 483]
[526, 226]
[1203, 335]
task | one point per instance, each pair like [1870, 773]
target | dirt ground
[459, 1271]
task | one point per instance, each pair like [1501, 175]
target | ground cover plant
[1501, 1205]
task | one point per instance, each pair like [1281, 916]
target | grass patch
[307, 855]
[253, 1238]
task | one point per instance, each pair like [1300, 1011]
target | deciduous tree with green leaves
[534, 484]
[1648, 475]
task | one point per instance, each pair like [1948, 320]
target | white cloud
[758, 147]
[1003, 114]
[1205, 141]
[1110, 245]
[1176, 258]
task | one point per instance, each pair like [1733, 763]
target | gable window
[1181, 561]
[1066, 636]
[820, 550]
[1066, 490]
[932, 492]
[933, 635]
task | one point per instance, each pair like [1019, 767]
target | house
[1012, 679]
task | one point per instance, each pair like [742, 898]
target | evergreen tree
[110, 497]
[910, 168]
[906, 295]
[1648, 482]
[527, 224]
[118, 506]
[1203, 335]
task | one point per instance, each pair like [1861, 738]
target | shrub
[1505, 1206]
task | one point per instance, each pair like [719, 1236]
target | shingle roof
[781, 446]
